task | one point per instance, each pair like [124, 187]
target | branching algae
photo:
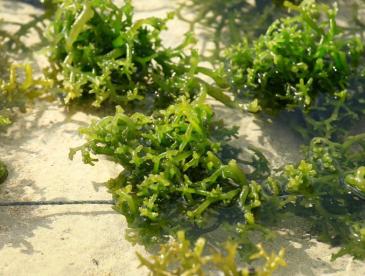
[171, 161]
[98, 50]
[179, 258]
[304, 62]
[18, 86]
[327, 188]
[226, 22]
[173, 169]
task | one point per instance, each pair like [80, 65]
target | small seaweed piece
[16, 92]
[4, 58]
[3, 172]
[178, 257]
[357, 179]
[17, 82]
[303, 63]
[18, 86]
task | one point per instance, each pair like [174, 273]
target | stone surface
[89, 240]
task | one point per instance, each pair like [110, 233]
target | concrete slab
[89, 240]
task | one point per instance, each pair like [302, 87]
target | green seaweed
[174, 172]
[171, 162]
[98, 50]
[327, 189]
[226, 22]
[178, 257]
[304, 63]
[3, 172]
[19, 89]
[17, 93]
[18, 86]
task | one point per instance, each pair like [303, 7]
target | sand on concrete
[89, 240]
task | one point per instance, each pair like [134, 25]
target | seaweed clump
[225, 22]
[172, 163]
[98, 50]
[327, 189]
[304, 63]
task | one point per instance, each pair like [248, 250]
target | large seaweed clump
[172, 162]
[304, 63]
[97, 49]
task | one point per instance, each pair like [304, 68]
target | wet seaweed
[304, 63]
[97, 49]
